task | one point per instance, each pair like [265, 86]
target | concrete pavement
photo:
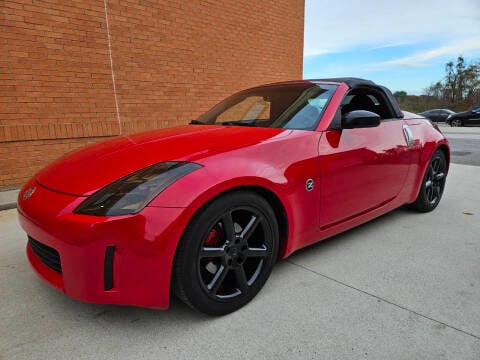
[464, 143]
[404, 286]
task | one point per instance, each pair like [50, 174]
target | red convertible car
[204, 210]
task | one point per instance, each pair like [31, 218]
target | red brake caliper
[214, 236]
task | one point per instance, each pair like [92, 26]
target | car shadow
[62, 308]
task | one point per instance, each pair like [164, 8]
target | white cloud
[420, 59]
[336, 26]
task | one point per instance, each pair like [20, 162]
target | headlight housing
[133, 192]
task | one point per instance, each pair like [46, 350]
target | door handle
[408, 135]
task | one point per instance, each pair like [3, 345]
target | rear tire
[456, 123]
[433, 184]
[226, 253]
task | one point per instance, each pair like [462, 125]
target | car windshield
[289, 106]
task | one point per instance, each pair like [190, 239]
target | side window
[250, 108]
[366, 99]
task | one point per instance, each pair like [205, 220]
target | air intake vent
[108, 268]
[48, 255]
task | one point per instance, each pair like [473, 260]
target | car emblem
[309, 185]
[29, 192]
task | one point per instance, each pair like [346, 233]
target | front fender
[282, 169]
[198, 188]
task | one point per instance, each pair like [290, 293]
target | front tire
[433, 184]
[226, 253]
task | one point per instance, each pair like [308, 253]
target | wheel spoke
[428, 183]
[429, 194]
[250, 227]
[217, 280]
[439, 176]
[257, 252]
[228, 226]
[256, 273]
[241, 279]
[212, 252]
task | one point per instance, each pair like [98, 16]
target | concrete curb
[8, 206]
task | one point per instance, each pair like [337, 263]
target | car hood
[89, 169]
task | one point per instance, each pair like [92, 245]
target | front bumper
[115, 260]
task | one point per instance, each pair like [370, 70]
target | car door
[437, 115]
[361, 169]
[474, 117]
[434, 115]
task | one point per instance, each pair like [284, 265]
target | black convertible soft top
[353, 83]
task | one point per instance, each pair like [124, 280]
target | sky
[402, 44]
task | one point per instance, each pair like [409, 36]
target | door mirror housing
[360, 119]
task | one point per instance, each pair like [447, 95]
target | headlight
[133, 192]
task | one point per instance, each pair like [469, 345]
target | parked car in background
[465, 118]
[437, 115]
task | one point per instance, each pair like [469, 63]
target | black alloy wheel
[433, 184]
[226, 254]
[456, 123]
[435, 180]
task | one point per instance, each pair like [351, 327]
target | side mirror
[360, 119]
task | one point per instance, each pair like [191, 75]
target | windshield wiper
[240, 123]
[197, 122]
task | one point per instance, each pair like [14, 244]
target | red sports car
[205, 210]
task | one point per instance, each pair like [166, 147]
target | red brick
[172, 61]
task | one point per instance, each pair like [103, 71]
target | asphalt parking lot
[404, 286]
[464, 143]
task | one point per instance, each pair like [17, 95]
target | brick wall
[73, 72]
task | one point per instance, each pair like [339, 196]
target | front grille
[48, 255]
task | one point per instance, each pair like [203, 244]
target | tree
[471, 91]
[435, 90]
[460, 88]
